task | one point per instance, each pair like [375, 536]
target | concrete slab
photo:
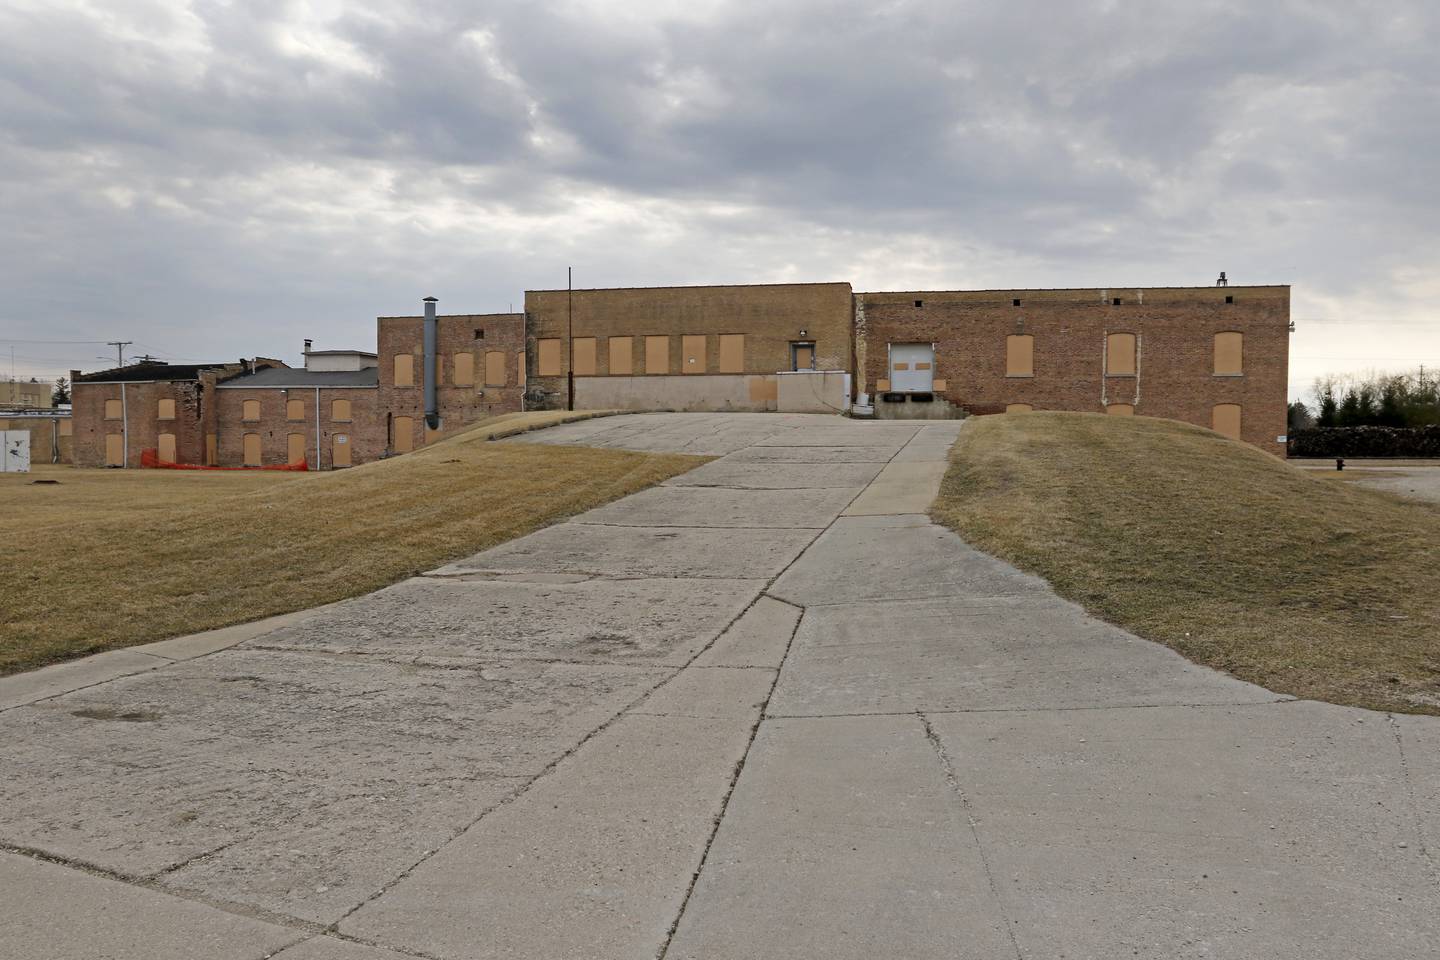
[710, 692]
[714, 507]
[669, 552]
[447, 621]
[1260, 831]
[758, 639]
[995, 654]
[54, 912]
[593, 861]
[200, 644]
[51, 681]
[810, 454]
[903, 557]
[247, 776]
[901, 488]
[334, 948]
[842, 840]
[753, 475]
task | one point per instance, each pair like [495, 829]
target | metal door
[912, 367]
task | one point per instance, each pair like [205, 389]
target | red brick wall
[1175, 330]
[142, 404]
[503, 332]
[365, 430]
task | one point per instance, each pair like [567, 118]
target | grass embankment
[1309, 587]
[111, 558]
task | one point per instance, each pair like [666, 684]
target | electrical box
[15, 457]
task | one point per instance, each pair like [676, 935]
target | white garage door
[912, 367]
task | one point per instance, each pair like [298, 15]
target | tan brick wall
[44, 434]
[504, 333]
[142, 404]
[770, 316]
[1174, 327]
[365, 430]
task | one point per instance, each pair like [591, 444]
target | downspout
[124, 428]
[432, 411]
[317, 428]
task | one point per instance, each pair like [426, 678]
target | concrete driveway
[763, 710]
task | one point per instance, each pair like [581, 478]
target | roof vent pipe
[432, 410]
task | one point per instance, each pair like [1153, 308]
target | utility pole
[570, 335]
[120, 346]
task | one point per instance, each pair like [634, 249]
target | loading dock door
[912, 367]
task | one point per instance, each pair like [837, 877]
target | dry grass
[111, 558]
[1309, 587]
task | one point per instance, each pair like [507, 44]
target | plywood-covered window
[66, 428]
[212, 445]
[1018, 408]
[465, 369]
[657, 354]
[340, 450]
[114, 450]
[113, 410]
[250, 410]
[166, 448]
[1020, 355]
[1120, 355]
[1229, 354]
[547, 357]
[165, 410]
[404, 370]
[584, 356]
[251, 446]
[692, 354]
[732, 353]
[1121, 410]
[340, 410]
[295, 448]
[622, 356]
[520, 369]
[404, 434]
[294, 409]
[495, 368]
[1225, 419]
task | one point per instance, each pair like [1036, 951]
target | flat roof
[348, 353]
[700, 286]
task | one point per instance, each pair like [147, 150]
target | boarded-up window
[294, 409]
[212, 443]
[252, 449]
[584, 356]
[1121, 410]
[340, 410]
[802, 356]
[1018, 408]
[113, 410]
[547, 358]
[114, 450]
[250, 410]
[166, 411]
[732, 353]
[495, 368]
[520, 368]
[1020, 356]
[340, 451]
[295, 446]
[692, 354]
[166, 448]
[404, 370]
[1225, 419]
[1120, 355]
[404, 434]
[657, 354]
[1229, 354]
[622, 356]
[464, 369]
[66, 428]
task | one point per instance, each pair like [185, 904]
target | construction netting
[151, 458]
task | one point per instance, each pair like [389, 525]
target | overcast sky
[212, 178]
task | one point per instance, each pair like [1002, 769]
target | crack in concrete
[1279, 701]
[1413, 801]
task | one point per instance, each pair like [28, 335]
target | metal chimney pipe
[432, 409]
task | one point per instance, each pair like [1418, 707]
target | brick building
[281, 416]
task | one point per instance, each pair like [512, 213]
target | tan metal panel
[252, 449]
[1120, 355]
[404, 434]
[732, 353]
[763, 389]
[294, 409]
[1229, 354]
[1020, 355]
[584, 356]
[464, 369]
[1121, 410]
[340, 410]
[340, 451]
[297, 448]
[113, 410]
[657, 354]
[548, 357]
[1018, 408]
[404, 372]
[692, 354]
[166, 448]
[114, 449]
[1225, 419]
[165, 410]
[622, 356]
[495, 368]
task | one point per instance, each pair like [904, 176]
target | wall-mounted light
[804, 333]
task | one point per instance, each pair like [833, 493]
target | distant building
[27, 394]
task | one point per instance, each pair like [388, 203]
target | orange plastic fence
[151, 458]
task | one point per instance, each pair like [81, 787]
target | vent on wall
[1015, 302]
[1116, 301]
[1230, 298]
[919, 303]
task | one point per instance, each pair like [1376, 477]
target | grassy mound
[1234, 558]
[112, 558]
